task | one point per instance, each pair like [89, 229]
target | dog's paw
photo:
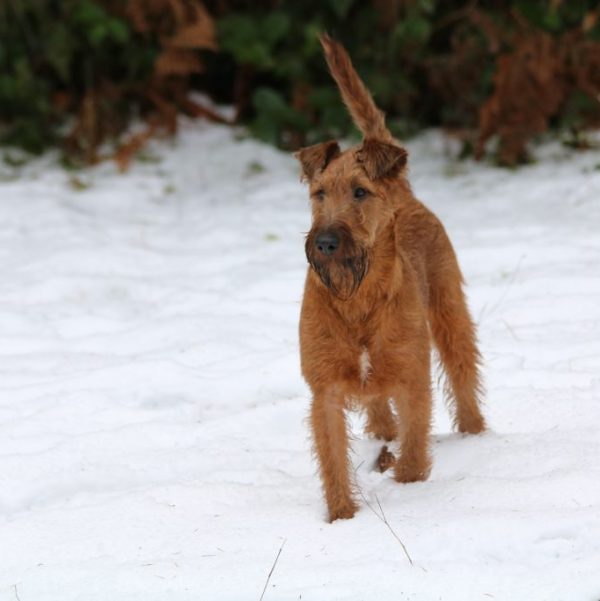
[406, 473]
[472, 425]
[344, 512]
[385, 460]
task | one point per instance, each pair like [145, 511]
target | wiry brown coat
[383, 282]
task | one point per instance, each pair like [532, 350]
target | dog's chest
[364, 365]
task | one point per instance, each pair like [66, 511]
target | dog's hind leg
[380, 419]
[331, 444]
[453, 332]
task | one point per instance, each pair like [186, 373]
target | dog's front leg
[331, 444]
[413, 403]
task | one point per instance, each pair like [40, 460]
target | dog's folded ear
[380, 159]
[315, 158]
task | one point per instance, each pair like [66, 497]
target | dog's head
[351, 205]
[352, 191]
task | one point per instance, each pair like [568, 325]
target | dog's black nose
[327, 242]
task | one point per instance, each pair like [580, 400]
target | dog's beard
[342, 273]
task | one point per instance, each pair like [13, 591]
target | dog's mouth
[343, 271]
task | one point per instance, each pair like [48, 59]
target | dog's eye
[320, 194]
[359, 193]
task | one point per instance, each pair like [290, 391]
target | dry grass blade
[385, 521]
[383, 518]
[272, 570]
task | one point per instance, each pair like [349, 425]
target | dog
[383, 285]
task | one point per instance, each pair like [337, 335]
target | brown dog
[383, 280]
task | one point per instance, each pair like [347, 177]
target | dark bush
[77, 72]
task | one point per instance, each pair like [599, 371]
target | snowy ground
[153, 441]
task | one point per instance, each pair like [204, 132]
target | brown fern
[183, 27]
[197, 32]
[529, 88]
[533, 82]
[177, 62]
[128, 149]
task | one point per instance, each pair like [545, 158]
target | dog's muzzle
[337, 259]
[327, 242]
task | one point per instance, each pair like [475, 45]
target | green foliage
[427, 62]
[51, 54]
[293, 99]
[251, 39]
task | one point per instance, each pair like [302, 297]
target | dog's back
[421, 237]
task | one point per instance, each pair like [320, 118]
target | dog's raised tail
[367, 117]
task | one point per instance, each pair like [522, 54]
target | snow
[153, 435]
